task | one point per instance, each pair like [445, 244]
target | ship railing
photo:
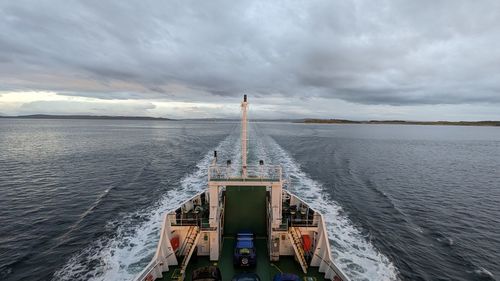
[203, 223]
[323, 255]
[148, 271]
[182, 221]
[333, 268]
[297, 212]
[288, 222]
[175, 221]
[165, 255]
[254, 173]
[305, 222]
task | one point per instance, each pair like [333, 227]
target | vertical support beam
[214, 245]
[213, 193]
[276, 200]
[244, 108]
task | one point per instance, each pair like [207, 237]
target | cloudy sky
[357, 59]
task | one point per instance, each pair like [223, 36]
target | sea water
[83, 199]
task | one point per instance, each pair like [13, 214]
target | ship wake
[352, 251]
[132, 246]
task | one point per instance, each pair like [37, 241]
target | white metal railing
[253, 173]
[165, 255]
[323, 257]
[202, 222]
[147, 271]
[305, 222]
[326, 263]
[298, 213]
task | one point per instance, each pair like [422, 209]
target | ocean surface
[82, 199]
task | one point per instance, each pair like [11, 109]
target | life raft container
[175, 243]
[306, 242]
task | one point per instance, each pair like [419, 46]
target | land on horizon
[296, 120]
[404, 122]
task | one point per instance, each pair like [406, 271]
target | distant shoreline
[402, 122]
[302, 121]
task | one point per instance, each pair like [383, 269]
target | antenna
[244, 108]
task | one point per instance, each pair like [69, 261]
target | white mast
[244, 107]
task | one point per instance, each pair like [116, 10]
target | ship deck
[265, 268]
[245, 208]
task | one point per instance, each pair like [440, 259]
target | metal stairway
[187, 250]
[182, 249]
[294, 236]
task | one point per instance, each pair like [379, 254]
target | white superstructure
[199, 226]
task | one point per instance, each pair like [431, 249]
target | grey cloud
[366, 52]
[114, 95]
[95, 108]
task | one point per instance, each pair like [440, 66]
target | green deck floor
[245, 209]
[265, 269]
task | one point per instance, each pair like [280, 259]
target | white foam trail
[483, 272]
[357, 257]
[123, 257]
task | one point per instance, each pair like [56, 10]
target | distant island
[402, 122]
[47, 116]
[307, 121]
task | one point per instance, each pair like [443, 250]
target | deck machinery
[290, 236]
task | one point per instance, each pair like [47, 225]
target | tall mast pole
[244, 108]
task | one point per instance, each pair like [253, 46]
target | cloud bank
[360, 54]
